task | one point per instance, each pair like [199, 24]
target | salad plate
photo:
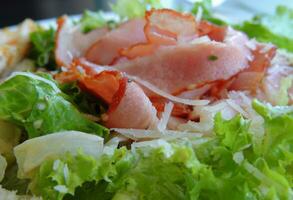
[147, 102]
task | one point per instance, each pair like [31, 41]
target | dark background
[15, 11]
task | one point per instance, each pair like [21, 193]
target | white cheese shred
[167, 95]
[139, 134]
[162, 125]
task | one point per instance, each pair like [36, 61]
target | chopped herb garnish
[212, 58]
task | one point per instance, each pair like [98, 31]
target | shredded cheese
[138, 134]
[167, 95]
[162, 125]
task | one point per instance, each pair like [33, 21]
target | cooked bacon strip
[173, 68]
[214, 32]
[251, 78]
[126, 99]
[137, 50]
[163, 27]
[133, 111]
[71, 42]
[105, 50]
[166, 26]
[179, 110]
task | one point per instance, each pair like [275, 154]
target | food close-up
[147, 102]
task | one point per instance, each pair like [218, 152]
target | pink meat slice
[71, 42]
[135, 110]
[172, 68]
[105, 50]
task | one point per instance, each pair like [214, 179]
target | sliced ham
[106, 50]
[166, 26]
[179, 110]
[71, 42]
[163, 27]
[250, 78]
[217, 33]
[133, 111]
[129, 107]
[172, 68]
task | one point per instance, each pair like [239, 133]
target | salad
[153, 103]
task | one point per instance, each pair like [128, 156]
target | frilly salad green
[56, 144]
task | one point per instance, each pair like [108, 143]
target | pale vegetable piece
[11, 195]
[32, 153]
[283, 57]
[3, 165]
[25, 65]
[9, 137]
[278, 85]
[14, 44]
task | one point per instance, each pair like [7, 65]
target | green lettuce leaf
[52, 182]
[134, 8]
[280, 23]
[264, 34]
[42, 50]
[38, 105]
[277, 29]
[222, 166]
[278, 138]
[86, 102]
[242, 172]
[92, 20]
[161, 170]
[207, 12]
[31, 153]
[165, 172]
[233, 133]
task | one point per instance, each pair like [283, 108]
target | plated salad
[150, 103]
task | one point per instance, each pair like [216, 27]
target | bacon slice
[71, 42]
[105, 50]
[163, 27]
[214, 32]
[173, 68]
[129, 107]
[133, 111]
[166, 26]
[251, 78]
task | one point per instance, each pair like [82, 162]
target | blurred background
[14, 11]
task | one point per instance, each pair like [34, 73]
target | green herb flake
[212, 58]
